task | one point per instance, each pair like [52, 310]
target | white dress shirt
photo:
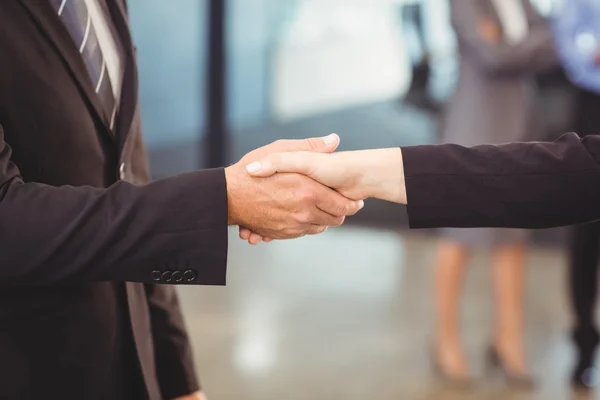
[513, 19]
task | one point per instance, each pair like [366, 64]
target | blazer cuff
[198, 231]
[427, 188]
[212, 267]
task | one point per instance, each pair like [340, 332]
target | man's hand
[286, 205]
[193, 396]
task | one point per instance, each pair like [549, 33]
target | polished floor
[347, 315]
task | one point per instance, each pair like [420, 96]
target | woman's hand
[355, 174]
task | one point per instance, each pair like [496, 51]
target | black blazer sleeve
[175, 368]
[520, 185]
[123, 233]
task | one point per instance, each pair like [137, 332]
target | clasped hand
[284, 205]
[355, 175]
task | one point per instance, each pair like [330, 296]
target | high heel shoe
[454, 382]
[514, 380]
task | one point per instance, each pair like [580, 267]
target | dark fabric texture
[520, 185]
[87, 245]
[584, 251]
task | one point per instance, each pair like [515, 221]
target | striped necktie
[77, 19]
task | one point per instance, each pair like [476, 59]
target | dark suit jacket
[519, 185]
[77, 218]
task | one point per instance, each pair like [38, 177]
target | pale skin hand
[286, 205]
[355, 174]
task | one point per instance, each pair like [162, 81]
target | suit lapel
[49, 22]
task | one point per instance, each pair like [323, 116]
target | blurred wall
[338, 54]
[170, 38]
[287, 58]
[248, 53]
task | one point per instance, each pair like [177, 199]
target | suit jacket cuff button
[189, 275]
[155, 275]
[166, 276]
[177, 276]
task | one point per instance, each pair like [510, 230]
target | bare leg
[451, 263]
[508, 263]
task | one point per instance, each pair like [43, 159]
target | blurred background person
[502, 43]
[418, 93]
[577, 33]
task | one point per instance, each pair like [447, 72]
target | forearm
[123, 233]
[520, 185]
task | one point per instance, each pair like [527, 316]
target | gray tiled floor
[347, 315]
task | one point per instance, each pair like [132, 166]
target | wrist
[385, 175]
[232, 182]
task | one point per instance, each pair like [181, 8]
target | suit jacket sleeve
[122, 233]
[534, 53]
[174, 359]
[520, 185]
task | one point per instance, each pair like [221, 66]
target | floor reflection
[347, 315]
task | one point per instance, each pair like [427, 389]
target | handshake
[292, 188]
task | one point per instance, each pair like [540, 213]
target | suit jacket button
[155, 275]
[166, 276]
[189, 275]
[177, 276]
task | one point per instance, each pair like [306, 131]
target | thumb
[327, 144]
[300, 162]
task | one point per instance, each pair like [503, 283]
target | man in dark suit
[78, 219]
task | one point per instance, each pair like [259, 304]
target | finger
[333, 203]
[318, 217]
[255, 239]
[245, 233]
[267, 240]
[316, 229]
[327, 144]
[301, 162]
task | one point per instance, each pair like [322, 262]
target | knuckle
[308, 196]
[339, 210]
[310, 144]
[304, 217]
